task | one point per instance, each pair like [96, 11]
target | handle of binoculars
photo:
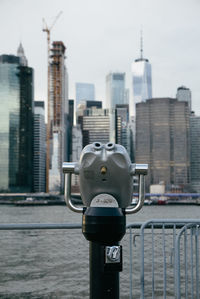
[68, 169]
[141, 171]
[138, 169]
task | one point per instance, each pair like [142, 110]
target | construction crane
[48, 131]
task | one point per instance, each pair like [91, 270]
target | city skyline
[102, 41]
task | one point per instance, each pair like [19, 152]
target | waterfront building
[162, 141]
[184, 94]
[16, 125]
[141, 80]
[84, 92]
[39, 153]
[195, 152]
[58, 116]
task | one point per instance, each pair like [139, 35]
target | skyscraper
[39, 157]
[162, 140]
[58, 115]
[115, 95]
[123, 132]
[115, 90]
[195, 152]
[21, 55]
[95, 125]
[141, 79]
[184, 94]
[16, 125]
[70, 128]
[84, 92]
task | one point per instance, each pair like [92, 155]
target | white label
[104, 200]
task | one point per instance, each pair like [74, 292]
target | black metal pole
[104, 284]
[104, 228]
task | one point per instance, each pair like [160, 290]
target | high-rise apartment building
[184, 94]
[84, 92]
[162, 141]
[195, 152]
[141, 80]
[58, 115]
[16, 125]
[39, 154]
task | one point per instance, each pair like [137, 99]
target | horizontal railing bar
[157, 223]
[22, 226]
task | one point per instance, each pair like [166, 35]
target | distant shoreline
[45, 199]
[36, 199]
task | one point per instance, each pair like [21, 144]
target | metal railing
[162, 257]
[169, 259]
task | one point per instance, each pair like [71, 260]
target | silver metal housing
[105, 169]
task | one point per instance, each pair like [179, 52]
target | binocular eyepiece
[106, 178]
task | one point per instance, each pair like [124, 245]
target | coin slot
[103, 170]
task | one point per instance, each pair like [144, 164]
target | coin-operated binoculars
[106, 186]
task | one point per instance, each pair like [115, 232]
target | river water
[54, 263]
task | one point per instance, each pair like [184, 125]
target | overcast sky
[104, 35]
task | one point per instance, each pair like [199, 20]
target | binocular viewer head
[105, 169]
[105, 175]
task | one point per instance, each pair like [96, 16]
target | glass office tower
[84, 92]
[115, 95]
[9, 120]
[16, 138]
[115, 90]
[141, 80]
[142, 85]
[39, 159]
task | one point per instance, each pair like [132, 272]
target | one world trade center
[141, 78]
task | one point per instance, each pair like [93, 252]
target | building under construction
[58, 115]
